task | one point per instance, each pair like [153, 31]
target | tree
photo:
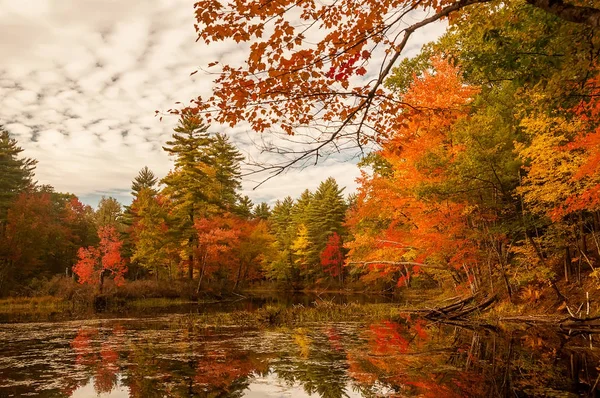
[244, 207]
[97, 263]
[282, 267]
[262, 211]
[332, 257]
[216, 240]
[422, 213]
[301, 249]
[225, 158]
[190, 187]
[253, 251]
[325, 217]
[43, 232]
[305, 63]
[16, 174]
[144, 180]
[109, 213]
[153, 245]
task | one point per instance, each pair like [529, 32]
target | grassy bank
[274, 316]
[42, 305]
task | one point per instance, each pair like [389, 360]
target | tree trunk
[191, 267]
[568, 270]
[201, 273]
[101, 281]
[237, 279]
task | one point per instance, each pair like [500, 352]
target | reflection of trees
[400, 358]
[316, 361]
[99, 358]
[408, 359]
[227, 373]
[414, 359]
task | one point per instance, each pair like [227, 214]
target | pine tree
[225, 159]
[300, 209]
[262, 211]
[191, 186]
[324, 217]
[282, 268]
[244, 207]
[144, 180]
[16, 174]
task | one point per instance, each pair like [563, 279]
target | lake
[164, 355]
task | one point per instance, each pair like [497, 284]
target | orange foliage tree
[411, 215]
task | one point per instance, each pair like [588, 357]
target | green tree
[262, 211]
[282, 268]
[325, 216]
[144, 180]
[244, 207]
[109, 213]
[153, 246]
[191, 186]
[225, 159]
[16, 173]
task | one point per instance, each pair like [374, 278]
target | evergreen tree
[16, 174]
[283, 268]
[225, 159]
[300, 209]
[244, 207]
[324, 216]
[262, 211]
[144, 180]
[191, 186]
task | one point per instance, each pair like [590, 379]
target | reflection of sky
[260, 387]
[271, 386]
[80, 81]
[88, 391]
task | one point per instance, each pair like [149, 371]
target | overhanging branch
[578, 14]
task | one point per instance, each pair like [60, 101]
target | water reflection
[403, 358]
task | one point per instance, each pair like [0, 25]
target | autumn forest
[478, 200]
[484, 176]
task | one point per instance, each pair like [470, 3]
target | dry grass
[28, 305]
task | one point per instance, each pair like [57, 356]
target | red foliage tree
[216, 239]
[332, 257]
[96, 263]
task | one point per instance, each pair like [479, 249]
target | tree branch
[569, 12]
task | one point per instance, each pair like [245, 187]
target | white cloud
[81, 79]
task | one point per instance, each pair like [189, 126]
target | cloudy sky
[80, 81]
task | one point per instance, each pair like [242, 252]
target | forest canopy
[479, 165]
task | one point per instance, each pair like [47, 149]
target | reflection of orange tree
[405, 358]
[226, 372]
[99, 358]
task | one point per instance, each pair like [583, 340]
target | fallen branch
[479, 307]
[456, 311]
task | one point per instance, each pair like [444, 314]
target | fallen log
[456, 311]
[479, 307]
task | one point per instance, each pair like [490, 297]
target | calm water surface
[159, 356]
